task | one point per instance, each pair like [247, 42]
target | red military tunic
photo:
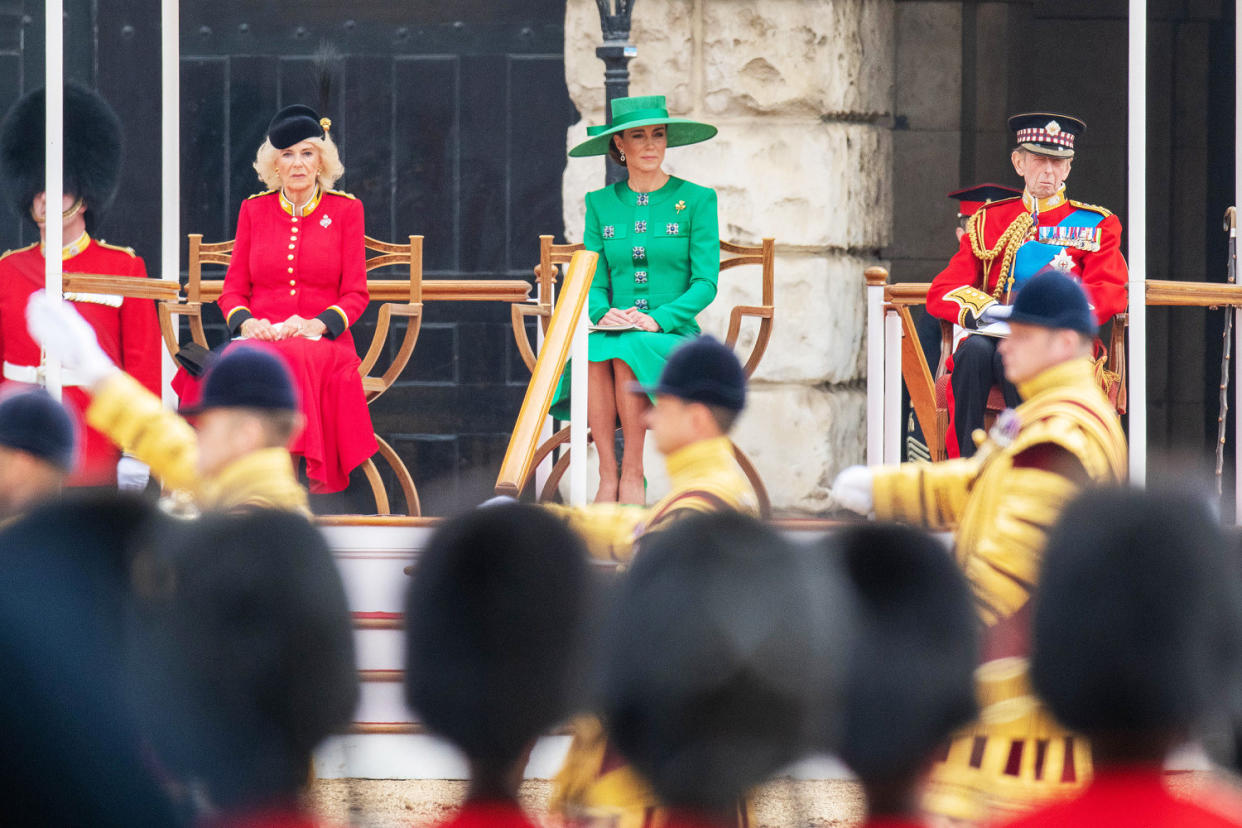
[312, 265]
[1000, 245]
[127, 328]
[1132, 796]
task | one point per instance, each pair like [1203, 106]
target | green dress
[659, 252]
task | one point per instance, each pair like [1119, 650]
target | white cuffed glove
[132, 474]
[852, 489]
[67, 337]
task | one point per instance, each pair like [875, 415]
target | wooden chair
[405, 256]
[552, 255]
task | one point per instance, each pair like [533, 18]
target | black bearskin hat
[92, 151]
[911, 677]
[494, 630]
[1136, 617]
[257, 641]
[717, 659]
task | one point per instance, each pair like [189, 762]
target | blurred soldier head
[248, 403]
[1136, 622]
[911, 676]
[255, 635]
[494, 621]
[718, 660]
[92, 159]
[971, 199]
[1049, 323]
[74, 748]
[701, 392]
[38, 449]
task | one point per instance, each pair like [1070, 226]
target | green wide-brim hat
[647, 110]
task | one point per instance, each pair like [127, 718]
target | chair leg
[412, 505]
[377, 487]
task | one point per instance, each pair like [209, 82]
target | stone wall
[802, 92]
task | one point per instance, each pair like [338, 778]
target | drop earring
[622, 156]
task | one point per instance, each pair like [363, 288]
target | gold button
[292, 282]
[292, 292]
[292, 246]
[290, 270]
[290, 257]
[295, 219]
[294, 229]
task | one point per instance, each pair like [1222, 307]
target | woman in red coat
[297, 280]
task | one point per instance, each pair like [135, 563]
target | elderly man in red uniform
[1006, 243]
[127, 328]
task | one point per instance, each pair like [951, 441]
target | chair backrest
[388, 254]
[731, 256]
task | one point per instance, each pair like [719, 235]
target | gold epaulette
[8, 253]
[258, 195]
[1095, 208]
[342, 193]
[128, 250]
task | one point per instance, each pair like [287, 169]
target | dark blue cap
[703, 370]
[246, 376]
[33, 422]
[293, 124]
[1051, 300]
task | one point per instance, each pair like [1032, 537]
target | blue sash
[1079, 229]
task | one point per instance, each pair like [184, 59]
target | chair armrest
[414, 313]
[764, 313]
[168, 310]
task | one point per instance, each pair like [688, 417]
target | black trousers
[976, 368]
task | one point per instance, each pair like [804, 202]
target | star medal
[325, 221]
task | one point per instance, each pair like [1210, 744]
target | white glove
[67, 337]
[852, 489]
[132, 474]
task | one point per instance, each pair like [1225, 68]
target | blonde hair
[330, 167]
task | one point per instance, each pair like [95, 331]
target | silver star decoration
[1063, 261]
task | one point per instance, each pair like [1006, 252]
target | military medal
[325, 221]
[1063, 261]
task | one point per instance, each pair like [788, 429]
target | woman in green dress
[658, 242]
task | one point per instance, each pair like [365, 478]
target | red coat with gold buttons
[309, 262]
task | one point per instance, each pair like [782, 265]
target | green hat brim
[681, 131]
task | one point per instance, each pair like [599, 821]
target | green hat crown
[639, 111]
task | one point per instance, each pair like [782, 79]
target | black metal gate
[450, 116]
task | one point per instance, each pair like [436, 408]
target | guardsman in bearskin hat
[719, 664]
[495, 629]
[1011, 240]
[236, 457]
[246, 622]
[1065, 436]
[910, 682]
[1136, 645]
[127, 328]
[701, 392]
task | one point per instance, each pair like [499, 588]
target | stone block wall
[802, 91]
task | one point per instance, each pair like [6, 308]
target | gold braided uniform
[1002, 502]
[595, 784]
[136, 420]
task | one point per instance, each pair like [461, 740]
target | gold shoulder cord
[1009, 241]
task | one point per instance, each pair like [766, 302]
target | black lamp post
[616, 53]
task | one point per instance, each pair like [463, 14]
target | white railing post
[1137, 233]
[54, 181]
[876, 278]
[892, 387]
[170, 165]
